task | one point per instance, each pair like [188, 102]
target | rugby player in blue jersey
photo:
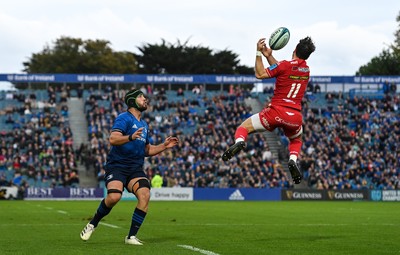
[124, 167]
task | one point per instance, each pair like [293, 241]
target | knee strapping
[114, 191]
[143, 183]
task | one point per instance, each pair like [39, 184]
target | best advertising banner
[236, 194]
[63, 193]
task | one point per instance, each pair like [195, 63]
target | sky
[347, 33]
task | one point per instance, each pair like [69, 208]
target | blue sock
[137, 220]
[102, 211]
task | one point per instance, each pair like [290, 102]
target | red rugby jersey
[291, 82]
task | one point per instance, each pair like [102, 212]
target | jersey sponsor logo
[303, 69]
[280, 120]
[265, 122]
[141, 139]
[143, 136]
[134, 126]
[297, 77]
[290, 113]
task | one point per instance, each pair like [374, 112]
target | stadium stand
[36, 140]
[351, 140]
[353, 144]
[204, 123]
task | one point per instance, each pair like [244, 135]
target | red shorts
[289, 119]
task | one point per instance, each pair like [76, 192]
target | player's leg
[114, 193]
[294, 149]
[250, 125]
[294, 134]
[141, 188]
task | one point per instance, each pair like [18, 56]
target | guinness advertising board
[349, 195]
[330, 195]
[302, 194]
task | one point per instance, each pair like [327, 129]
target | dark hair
[304, 48]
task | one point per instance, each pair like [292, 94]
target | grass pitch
[211, 228]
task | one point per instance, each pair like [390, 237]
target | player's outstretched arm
[169, 142]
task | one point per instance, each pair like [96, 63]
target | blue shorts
[123, 175]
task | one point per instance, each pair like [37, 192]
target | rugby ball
[279, 38]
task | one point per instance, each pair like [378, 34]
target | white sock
[239, 140]
[294, 157]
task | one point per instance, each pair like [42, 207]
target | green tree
[183, 59]
[387, 62]
[73, 55]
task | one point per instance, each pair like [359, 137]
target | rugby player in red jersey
[284, 110]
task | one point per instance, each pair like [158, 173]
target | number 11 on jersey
[294, 90]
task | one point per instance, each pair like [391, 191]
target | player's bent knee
[296, 139]
[143, 196]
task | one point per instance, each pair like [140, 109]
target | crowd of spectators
[205, 124]
[38, 149]
[350, 143]
[354, 146]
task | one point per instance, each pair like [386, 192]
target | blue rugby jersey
[131, 154]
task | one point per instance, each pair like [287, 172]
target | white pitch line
[52, 224]
[109, 225]
[64, 212]
[280, 225]
[39, 224]
[105, 224]
[192, 248]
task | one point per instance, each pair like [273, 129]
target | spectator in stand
[149, 90]
[386, 87]
[157, 180]
[143, 89]
[3, 181]
[180, 92]
[196, 90]
[317, 88]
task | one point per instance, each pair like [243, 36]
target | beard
[142, 107]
